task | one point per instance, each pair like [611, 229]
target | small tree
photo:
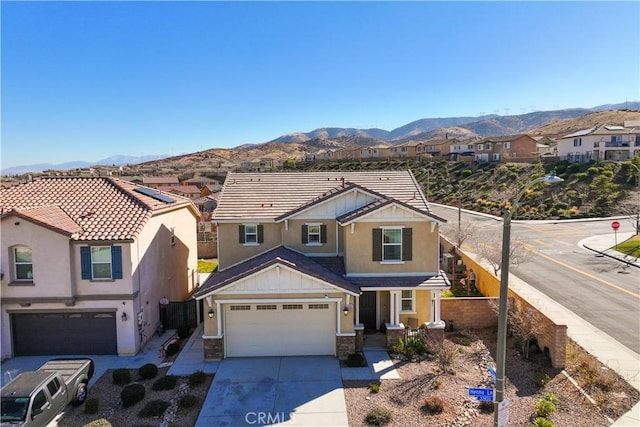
[524, 322]
[490, 250]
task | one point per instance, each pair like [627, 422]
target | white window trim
[319, 234]
[93, 263]
[507, 145]
[16, 263]
[413, 302]
[392, 261]
[246, 234]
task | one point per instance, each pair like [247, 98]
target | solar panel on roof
[152, 193]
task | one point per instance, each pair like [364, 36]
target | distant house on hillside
[505, 148]
[606, 142]
[190, 191]
[157, 181]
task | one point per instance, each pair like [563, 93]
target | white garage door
[291, 329]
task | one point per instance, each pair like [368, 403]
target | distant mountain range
[332, 137]
[117, 160]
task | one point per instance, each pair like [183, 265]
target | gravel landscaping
[425, 381]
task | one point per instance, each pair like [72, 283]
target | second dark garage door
[64, 333]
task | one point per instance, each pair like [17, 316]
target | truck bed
[67, 368]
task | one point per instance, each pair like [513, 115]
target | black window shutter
[116, 262]
[407, 244]
[305, 234]
[260, 233]
[241, 233]
[323, 233]
[377, 244]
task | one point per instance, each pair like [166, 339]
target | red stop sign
[615, 225]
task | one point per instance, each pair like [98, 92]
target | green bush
[593, 170]
[183, 330]
[197, 378]
[374, 387]
[172, 349]
[433, 405]
[541, 378]
[165, 383]
[91, 406]
[542, 422]
[155, 408]
[356, 360]
[148, 371]
[132, 394]
[187, 401]
[398, 348]
[546, 406]
[379, 416]
[436, 384]
[121, 376]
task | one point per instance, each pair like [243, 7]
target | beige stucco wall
[422, 307]
[231, 252]
[358, 246]
[292, 237]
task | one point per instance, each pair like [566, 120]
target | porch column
[219, 317]
[392, 308]
[396, 321]
[437, 308]
[357, 309]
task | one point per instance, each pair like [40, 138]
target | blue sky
[84, 81]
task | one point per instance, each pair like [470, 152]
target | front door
[368, 309]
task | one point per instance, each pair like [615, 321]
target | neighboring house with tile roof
[606, 142]
[85, 262]
[189, 191]
[158, 181]
[309, 260]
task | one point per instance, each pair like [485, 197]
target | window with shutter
[314, 234]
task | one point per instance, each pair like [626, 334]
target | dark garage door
[64, 333]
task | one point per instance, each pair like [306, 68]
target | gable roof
[348, 217]
[278, 255]
[102, 208]
[269, 196]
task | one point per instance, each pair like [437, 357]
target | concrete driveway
[297, 391]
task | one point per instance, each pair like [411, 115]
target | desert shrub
[418, 345]
[398, 348]
[379, 416]
[183, 330]
[165, 383]
[541, 378]
[465, 173]
[155, 408]
[148, 371]
[172, 349]
[197, 378]
[542, 422]
[546, 406]
[102, 422]
[581, 175]
[132, 394]
[410, 352]
[187, 401]
[91, 406]
[436, 384]
[593, 170]
[356, 360]
[121, 376]
[433, 405]
[374, 387]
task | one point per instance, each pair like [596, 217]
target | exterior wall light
[211, 313]
[345, 310]
[124, 317]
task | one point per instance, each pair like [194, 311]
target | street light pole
[504, 291]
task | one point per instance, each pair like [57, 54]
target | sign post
[615, 225]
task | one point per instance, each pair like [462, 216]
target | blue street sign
[482, 394]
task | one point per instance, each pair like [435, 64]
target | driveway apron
[296, 391]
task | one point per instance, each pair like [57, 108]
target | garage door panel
[64, 333]
[289, 330]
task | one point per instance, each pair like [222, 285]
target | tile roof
[103, 208]
[434, 281]
[268, 196]
[160, 180]
[281, 255]
[378, 204]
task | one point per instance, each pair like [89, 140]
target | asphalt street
[601, 290]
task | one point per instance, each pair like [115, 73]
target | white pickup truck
[33, 399]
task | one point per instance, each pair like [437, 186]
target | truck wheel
[81, 394]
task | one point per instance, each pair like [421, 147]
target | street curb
[633, 264]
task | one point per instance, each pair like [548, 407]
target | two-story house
[606, 142]
[85, 262]
[308, 260]
[505, 148]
